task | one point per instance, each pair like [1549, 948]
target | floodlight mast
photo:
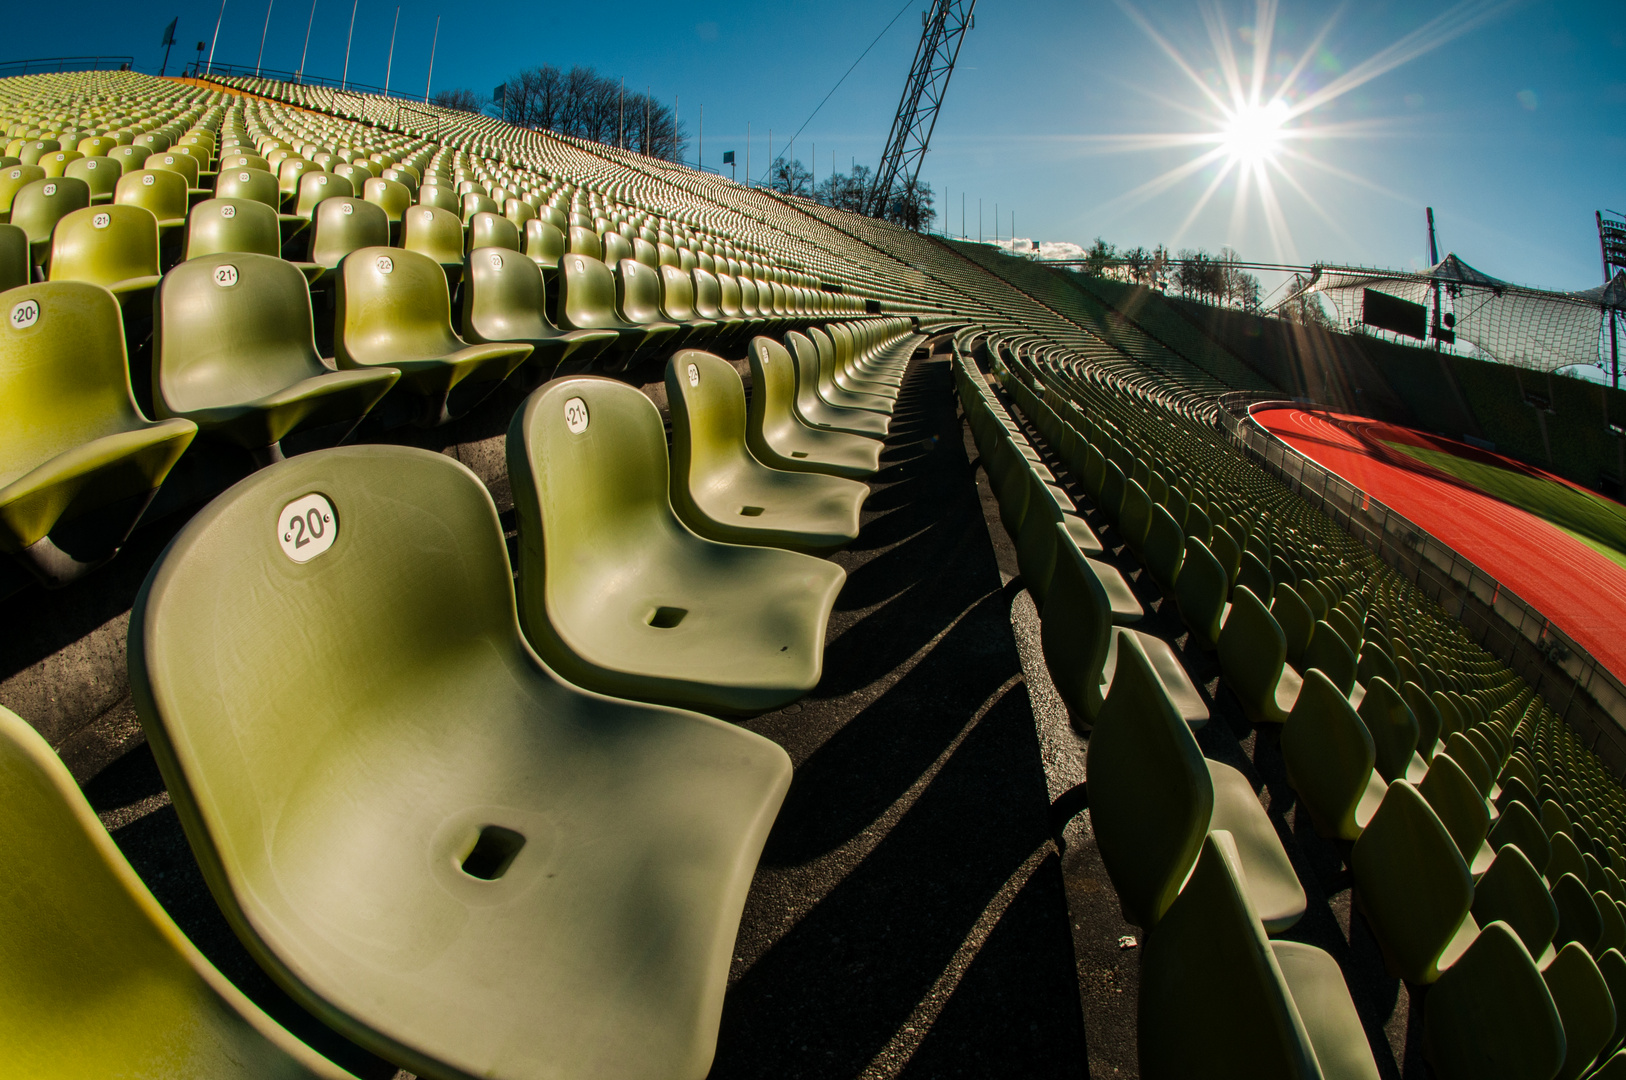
[942, 32]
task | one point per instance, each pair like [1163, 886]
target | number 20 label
[307, 527]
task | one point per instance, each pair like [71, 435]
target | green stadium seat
[1220, 999]
[438, 198]
[1153, 797]
[183, 164]
[12, 181]
[390, 195]
[619, 596]
[505, 300]
[14, 267]
[1578, 917]
[1413, 886]
[100, 174]
[1329, 757]
[1081, 644]
[130, 158]
[1164, 551]
[216, 226]
[1253, 655]
[1200, 594]
[37, 208]
[723, 493]
[448, 854]
[78, 461]
[1429, 725]
[587, 301]
[234, 352]
[677, 306]
[820, 362]
[1393, 728]
[638, 303]
[1518, 826]
[341, 224]
[95, 977]
[1297, 621]
[392, 309]
[489, 230]
[315, 188]
[544, 245]
[814, 410]
[1512, 891]
[1461, 809]
[436, 233]
[163, 194]
[1328, 653]
[1491, 1016]
[115, 247]
[1584, 1005]
[779, 439]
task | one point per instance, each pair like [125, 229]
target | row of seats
[570, 848]
[1530, 994]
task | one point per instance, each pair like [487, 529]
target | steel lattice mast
[940, 38]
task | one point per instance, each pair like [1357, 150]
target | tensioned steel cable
[906, 5]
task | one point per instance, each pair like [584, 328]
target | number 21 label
[307, 527]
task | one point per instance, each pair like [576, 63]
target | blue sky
[1514, 129]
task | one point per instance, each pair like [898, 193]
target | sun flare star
[1248, 113]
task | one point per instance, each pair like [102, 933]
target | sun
[1259, 117]
[1252, 133]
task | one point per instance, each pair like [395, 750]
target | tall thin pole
[431, 76]
[216, 38]
[1613, 316]
[389, 65]
[1433, 260]
[962, 214]
[307, 49]
[344, 80]
[258, 60]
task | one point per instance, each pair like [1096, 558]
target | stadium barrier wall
[1589, 697]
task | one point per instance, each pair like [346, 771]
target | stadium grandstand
[484, 603]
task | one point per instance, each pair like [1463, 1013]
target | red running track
[1579, 589]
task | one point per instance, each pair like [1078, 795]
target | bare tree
[583, 103]
[911, 207]
[790, 178]
[464, 100]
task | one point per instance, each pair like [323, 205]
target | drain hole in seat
[664, 618]
[751, 511]
[798, 453]
[493, 853]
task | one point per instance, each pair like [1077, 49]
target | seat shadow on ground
[918, 807]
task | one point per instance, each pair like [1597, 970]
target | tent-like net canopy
[1473, 312]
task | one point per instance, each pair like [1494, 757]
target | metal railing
[1577, 687]
[42, 65]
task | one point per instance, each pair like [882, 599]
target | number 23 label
[307, 527]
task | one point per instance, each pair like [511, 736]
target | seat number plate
[26, 314]
[576, 415]
[694, 375]
[101, 221]
[228, 211]
[225, 275]
[307, 527]
[385, 264]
